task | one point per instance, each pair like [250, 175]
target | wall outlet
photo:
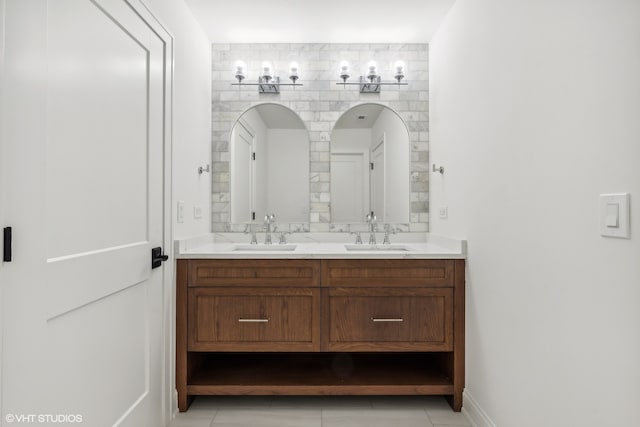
[197, 212]
[180, 211]
[443, 212]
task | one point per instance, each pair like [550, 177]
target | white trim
[169, 394]
[472, 410]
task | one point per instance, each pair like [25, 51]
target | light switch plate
[614, 215]
[443, 212]
[180, 211]
[197, 212]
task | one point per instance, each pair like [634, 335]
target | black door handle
[157, 257]
[6, 237]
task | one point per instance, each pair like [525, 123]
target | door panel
[99, 135]
[109, 351]
[83, 311]
[350, 198]
[94, 276]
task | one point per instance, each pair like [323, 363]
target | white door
[83, 137]
[378, 203]
[242, 184]
[350, 199]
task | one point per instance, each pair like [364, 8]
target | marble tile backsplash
[320, 103]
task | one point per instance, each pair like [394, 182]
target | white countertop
[321, 246]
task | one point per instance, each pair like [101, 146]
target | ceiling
[362, 116]
[276, 116]
[326, 21]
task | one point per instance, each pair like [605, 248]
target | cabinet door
[389, 319]
[257, 319]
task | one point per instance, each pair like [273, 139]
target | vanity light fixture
[371, 82]
[267, 82]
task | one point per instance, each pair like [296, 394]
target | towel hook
[437, 169]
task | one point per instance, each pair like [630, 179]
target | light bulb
[293, 68]
[240, 67]
[399, 67]
[293, 72]
[344, 70]
[373, 70]
[266, 70]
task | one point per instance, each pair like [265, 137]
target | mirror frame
[244, 226]
[338, 225]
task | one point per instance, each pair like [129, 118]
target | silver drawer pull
[253, 320]
[382, 319]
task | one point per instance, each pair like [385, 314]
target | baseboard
[174, 404]
[472, 410]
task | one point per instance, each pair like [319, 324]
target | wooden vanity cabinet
[313, 327]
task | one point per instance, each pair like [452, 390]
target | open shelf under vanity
[319, 374]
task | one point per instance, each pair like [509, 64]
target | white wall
[534, 110]
[191, 114]
[397, 161]
[350, 140]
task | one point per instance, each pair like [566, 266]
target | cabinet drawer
[389, 319]
[241, 319]
[388, 272]
[250, 272]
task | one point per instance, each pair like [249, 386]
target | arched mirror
[370, 158]
[269, 166]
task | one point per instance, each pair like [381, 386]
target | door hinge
[6, 238]
[157, 257]
[253, 155]
[253, 216]
[371, 165]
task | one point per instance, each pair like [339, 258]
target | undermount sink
[382, 248]
[261, 248]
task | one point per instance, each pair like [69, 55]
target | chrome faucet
[371, 220]
[358, 237]
[387, 232]
[252, 231]
[283, 238]
[269, 219]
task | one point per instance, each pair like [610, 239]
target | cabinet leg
[455, 401]
[184, 401]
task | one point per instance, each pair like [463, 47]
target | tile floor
[320, 411]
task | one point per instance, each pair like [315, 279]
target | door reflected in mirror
[269, 166]
[370, 166]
